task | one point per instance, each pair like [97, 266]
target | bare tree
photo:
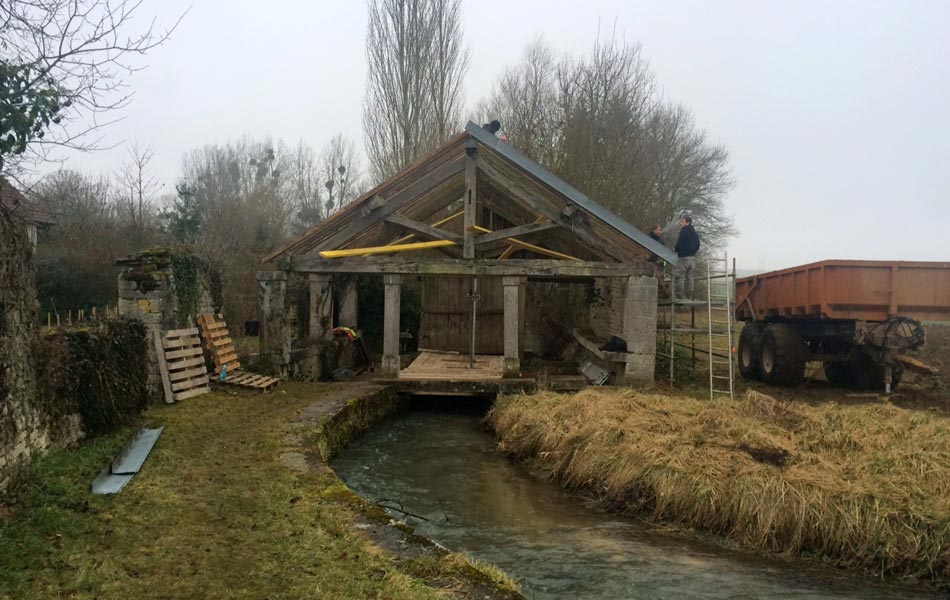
[340, 172]
[69, 60]
[447, 68]
[138, 184]
[302, 187]
[599, 122]
[413, 95]
[525, 101]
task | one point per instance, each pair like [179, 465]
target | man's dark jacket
[653, 257]
[688, 242]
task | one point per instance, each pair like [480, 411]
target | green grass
[213, 514]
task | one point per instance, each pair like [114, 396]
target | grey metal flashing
[119, 472]
[570, 192]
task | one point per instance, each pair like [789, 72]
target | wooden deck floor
[432, 365]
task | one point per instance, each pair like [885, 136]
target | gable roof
[570, 192]
[513, 187]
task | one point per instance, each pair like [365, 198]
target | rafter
[520, 230]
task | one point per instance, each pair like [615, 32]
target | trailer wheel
[838, 374]
[782, 360]
[750, 346]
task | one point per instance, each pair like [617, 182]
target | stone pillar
[393, 289]
[349, 313]
[639, 329]
[321, 307]
[275, 324]
[513, 287]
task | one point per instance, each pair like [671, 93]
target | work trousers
[685, 273]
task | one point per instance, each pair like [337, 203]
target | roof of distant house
[15, 202]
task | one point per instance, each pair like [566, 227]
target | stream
[445, 467]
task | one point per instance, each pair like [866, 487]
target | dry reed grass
[865, 487]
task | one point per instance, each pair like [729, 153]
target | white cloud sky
[836, 115]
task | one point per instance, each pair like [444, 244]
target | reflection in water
[446, 468]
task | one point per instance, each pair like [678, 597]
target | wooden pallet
[452, 366]
[251, 381]
[182, 365]
[218, 343]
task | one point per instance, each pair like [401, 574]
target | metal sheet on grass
[120, 471]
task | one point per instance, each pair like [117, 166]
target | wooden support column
[523, 318]
[274, 321]
[471, 197]
[639, 329]
[513, 318]
[349, 312]
[321, 307]
[393, 288]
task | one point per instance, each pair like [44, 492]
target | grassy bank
[213, 514]
[865, 487]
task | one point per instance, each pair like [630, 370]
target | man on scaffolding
[687, 245]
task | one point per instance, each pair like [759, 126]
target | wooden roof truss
[474, 197]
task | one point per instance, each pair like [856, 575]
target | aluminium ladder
[719, 328]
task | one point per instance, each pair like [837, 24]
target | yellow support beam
[385, 249]
[511, 249]
[527, 246]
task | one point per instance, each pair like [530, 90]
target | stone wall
[150, 290]
[21, 427]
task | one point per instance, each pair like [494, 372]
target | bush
[99, 371]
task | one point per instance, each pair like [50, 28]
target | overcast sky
[836, 115]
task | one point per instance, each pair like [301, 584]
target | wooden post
[513, 317]
[393, 288]
[349, 312]
[523, 320]
[471, 196]
[321, 307]
[275, 325]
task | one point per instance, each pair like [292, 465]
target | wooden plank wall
[446, 322]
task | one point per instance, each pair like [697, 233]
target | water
[446, 468]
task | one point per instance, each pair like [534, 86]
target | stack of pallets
[218, 343]
[182, 364]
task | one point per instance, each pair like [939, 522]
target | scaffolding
[678, 335]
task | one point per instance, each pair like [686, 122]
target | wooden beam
[461, 266]
[438, 223]
[385, 249]
[531, 247]
[392, 204]
[471, 195]
[423, 229]
[511, 249]
[515, 232]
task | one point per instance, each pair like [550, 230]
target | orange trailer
[857, 317]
